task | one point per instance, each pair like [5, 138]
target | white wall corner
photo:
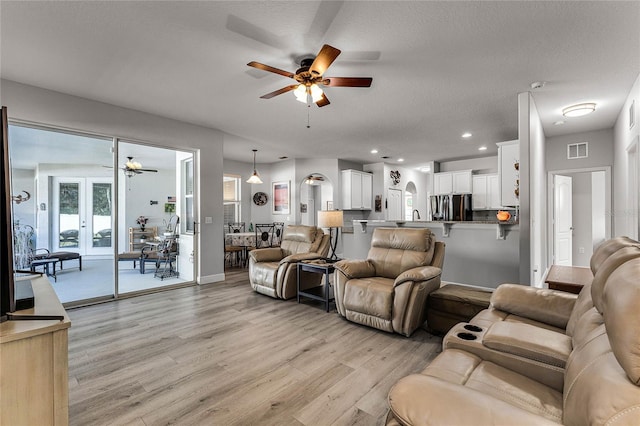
[210, 279]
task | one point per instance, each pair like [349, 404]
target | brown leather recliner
[273, 270]
[389, 290]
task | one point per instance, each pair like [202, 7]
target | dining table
[241, 239]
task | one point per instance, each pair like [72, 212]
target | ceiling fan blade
[249, 30]
[323, 101]
[325, 15]
[270, 69]
[347, 81]
[325, 58]
[148, 170]
[279, 91]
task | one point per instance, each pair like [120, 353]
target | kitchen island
[478, 253]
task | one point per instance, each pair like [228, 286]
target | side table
[45, 264]
[568, 278]
[323, 292]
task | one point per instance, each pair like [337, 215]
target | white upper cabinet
[357, 190]
[452, 182]
[486, 192]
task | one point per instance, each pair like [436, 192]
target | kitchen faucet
[413, 216]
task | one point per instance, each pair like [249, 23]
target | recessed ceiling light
[374, 151]
[482, 148]
[401, 159]
[426, 169]
[466, 135]
[559, 123]
[579, 110]
[537, 85]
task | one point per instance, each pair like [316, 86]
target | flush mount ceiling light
[400, 160]
[482, 148]
[255, 177]
[374, 151]
[579, 110]
[466, 135]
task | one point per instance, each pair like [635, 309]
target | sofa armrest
[355, 268]
[295, 258]
[529, 341]
[269, 254]
[426, 400]
[547, 306]
[421, 273]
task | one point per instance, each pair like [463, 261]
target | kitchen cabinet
[458, 182]
[509, 172]
[486, 192]
[357, 190]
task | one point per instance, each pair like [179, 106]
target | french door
[82, 215]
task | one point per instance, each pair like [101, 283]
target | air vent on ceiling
[577, 150]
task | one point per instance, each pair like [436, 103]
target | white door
[394, 207]
[562, 219]
[82, 221]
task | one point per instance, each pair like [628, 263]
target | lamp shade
[255, 177]
[330, 219]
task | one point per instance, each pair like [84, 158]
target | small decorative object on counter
[503, 215]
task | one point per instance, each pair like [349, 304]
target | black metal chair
[264, 234]
[278, 229]
[231, 252]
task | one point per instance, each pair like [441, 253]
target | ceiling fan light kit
[132, 168]
[579, 109]
[255, 177]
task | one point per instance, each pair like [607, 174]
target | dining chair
[236, 227]
[264, 234]
[278, 229]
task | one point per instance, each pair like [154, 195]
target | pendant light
[255, 177]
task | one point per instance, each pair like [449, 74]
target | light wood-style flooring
[221, 354]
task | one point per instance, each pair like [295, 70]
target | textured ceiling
[439, 68]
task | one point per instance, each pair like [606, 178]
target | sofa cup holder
[467, 336]
[472, 327]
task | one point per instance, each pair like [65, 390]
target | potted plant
[142, 221]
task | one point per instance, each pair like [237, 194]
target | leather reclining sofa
[539, 356]
[273, 270]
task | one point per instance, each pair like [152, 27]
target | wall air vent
[577, 150]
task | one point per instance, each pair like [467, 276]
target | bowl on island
[503, 215]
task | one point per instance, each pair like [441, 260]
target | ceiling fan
[132, 168]
[310, 76]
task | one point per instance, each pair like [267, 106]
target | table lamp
[331, 219]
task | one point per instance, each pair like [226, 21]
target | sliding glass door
[69, 214]
[159, 197]
[79, 187]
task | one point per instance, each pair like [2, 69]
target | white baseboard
[209, 279]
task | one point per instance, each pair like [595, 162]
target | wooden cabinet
[357, 190]
[458, 182]
[138, 238]
[509, 172]
[486, 192]
[34, 363]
